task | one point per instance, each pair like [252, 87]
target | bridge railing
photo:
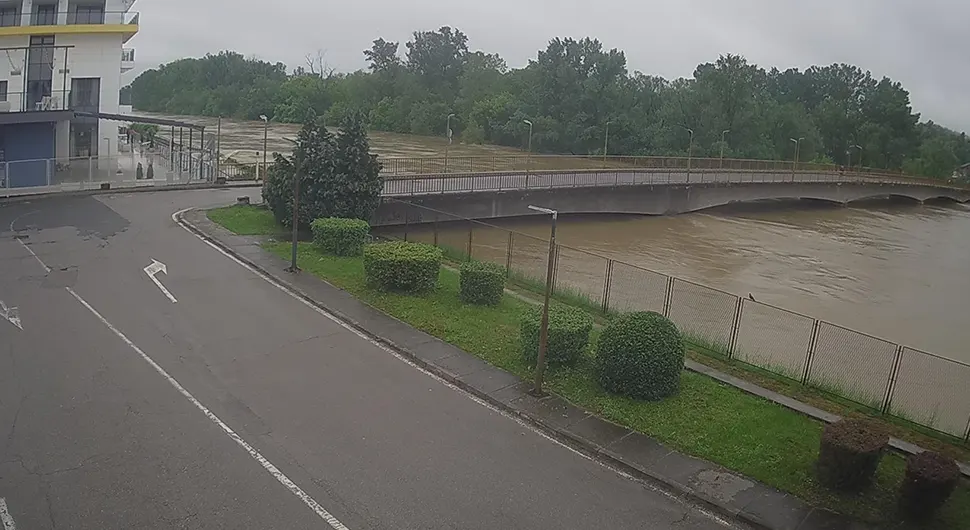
[882, 375]
[550, 179]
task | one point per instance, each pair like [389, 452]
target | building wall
[27, 150]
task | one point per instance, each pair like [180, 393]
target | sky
[922, 43]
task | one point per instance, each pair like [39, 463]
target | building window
[45, 15]
[9, 17]
[3, 91]
[86, 15]
[86, 94]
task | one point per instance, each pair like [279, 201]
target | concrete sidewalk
[733, 495]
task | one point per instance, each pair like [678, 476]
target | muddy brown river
[896, 271]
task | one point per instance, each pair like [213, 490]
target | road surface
[231, 404]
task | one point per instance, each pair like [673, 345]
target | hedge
[340, 236]
[849, 454]
[481, 283]
[569, 330]
[930, 480]
[640, 355]
[401, 266]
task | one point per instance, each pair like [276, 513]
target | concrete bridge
[649, 192]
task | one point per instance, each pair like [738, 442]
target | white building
[61, 63]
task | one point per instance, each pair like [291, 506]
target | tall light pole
[265, 142]
[448, 134]
[794, 164]
[544, 326]
[298, 166]
[606, 142]
[723, 144]
[528, 158]
[859, 147]
[690, 150]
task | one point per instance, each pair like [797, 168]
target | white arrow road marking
[11, 314]
[5, 518]
[155, 268]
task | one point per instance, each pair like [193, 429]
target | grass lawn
[707, 419]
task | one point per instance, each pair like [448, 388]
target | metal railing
[45, 17]
[35, 102]
[881, 375]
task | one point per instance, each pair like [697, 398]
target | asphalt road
[93, 436]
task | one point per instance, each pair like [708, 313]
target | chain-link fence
[912, 385]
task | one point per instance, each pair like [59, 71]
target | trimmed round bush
[481, 283]
[640, 355]
[569, 330]
[930, 480]
[402, 266]
[340, 236]
[850, 453]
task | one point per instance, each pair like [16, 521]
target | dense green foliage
[569, 330]
[340, 236]
[482, 283]
[640, 355]
[400, 266]
[339, 177]
[929, 481]
[571, 91]
[849, 454]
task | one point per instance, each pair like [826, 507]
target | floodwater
[899, 271]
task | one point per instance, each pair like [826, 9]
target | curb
[562, 435]
[10, 199]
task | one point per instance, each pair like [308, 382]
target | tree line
[576, 93]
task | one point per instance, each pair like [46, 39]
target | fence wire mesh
[581, 275]
[932, 391]
[634, 289]
[704, 315]
[851, 364]
[528, 259]
[774, 339]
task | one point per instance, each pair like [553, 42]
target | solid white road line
[272, 469]
[5, 518]
[710, 514]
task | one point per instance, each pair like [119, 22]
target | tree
[356, 188]
[438, 58]
[382, 56]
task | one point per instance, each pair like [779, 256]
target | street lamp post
[794, 165]
[690, 150]
[606, 143]
[448, 134]
[265, 143]
[298, 167]
[859, 147]
[528, 158]
[723, 143]
[544, 326]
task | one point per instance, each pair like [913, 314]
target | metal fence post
[407, 221]
[436, 229]
[606, 286]
[471, 231]
[735, 327]
[810, 352]
[555, 267]
[668, 296]
[50, 170]
[508, 255]
[891, 383]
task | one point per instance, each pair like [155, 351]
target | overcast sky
[925, 44]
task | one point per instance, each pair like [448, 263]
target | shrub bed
[481, 283]
[339, 236]
[640, 355]
[929, 481]
[569, 330]
[850, 453]
[401, 266]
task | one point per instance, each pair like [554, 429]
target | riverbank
[708, 419]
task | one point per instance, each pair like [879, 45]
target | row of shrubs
[849, 456]
[638, 355]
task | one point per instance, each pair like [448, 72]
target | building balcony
[31, 102]
[127, 59]
[77, 22]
